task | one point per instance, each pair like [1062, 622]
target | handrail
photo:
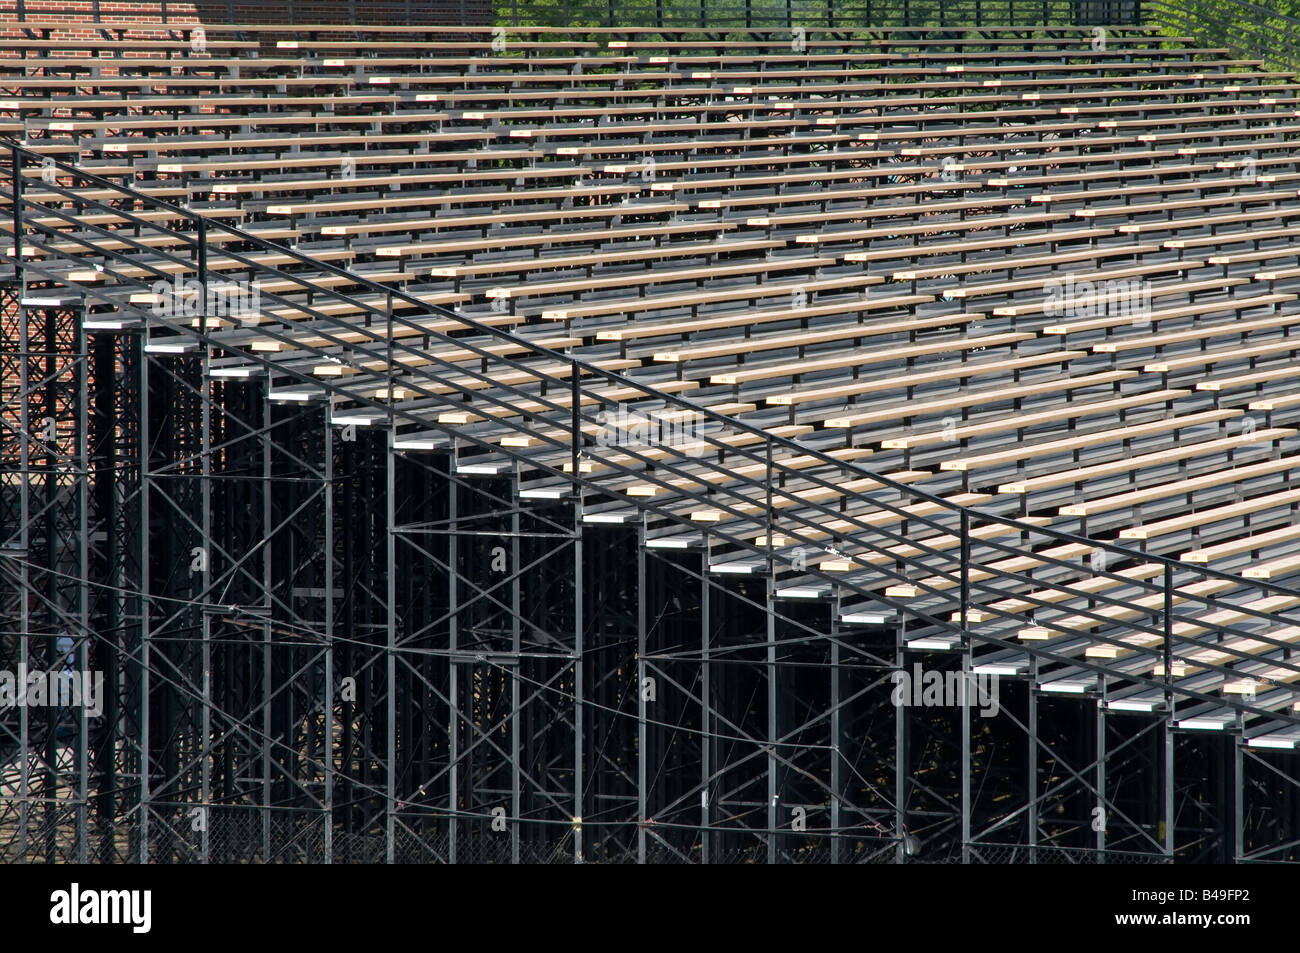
[768, 441]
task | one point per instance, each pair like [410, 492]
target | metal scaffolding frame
[322, 645]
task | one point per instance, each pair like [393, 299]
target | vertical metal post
[1170, 705]
[390, 564]
[706, 706]
[83, 586]
[390, 668]
[1031, 779]
[966, 676]
[1103, 817]
[201, 225]
[965, 579]
[24, 503]
[205, 617]
[900, 750]
[516, 691]
[771, 674]
[1169, 787]
[453, 675]
[836, 781]
[327, 746]
[146, 660]
[16, 160]
[641, 756]
[575, 429]
[268, 577]
[579, 695]
[1239, 797]
[579, 594]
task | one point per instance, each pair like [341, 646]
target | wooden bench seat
[189, 63]
[790, 497]
[1203, 517]
[1031, 601]
[917, 252]
[489, 221]
[710, 475]
[1081, 474]
[1018, 261]
[1155, 317]
[944, 541]
[1072, 444]
[1203, 332]
[960, 399]
[1153, 291]
[1228, 238]
[655, 276]
[186, 102]
[1275, 403]
[595, 259]
[749, 292]
[977, 223]
[1246, 544]
[216, 145]
[459, 244]
[517, 407]
[1184, 629]
[1131, 499]
[331, 160]
[857, 358]
[394, 181]
[1171, 205]
[1072, 411]
[966, 292]
[577, 149]
[634, 330]
[958, 371]
[801, 339]
[1169, 365]
[213, 121]
[598, 461]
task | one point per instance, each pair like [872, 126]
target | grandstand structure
[585, 442]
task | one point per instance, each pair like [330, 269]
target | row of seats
[1053, 279]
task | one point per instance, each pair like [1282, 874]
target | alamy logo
[76, 906]
[684, 431]
[1091, 299]
[184, 298]
[933, 689]
[57, 688]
